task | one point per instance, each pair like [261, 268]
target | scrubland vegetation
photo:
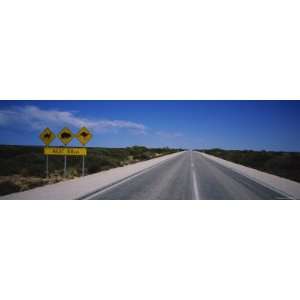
[23, 167]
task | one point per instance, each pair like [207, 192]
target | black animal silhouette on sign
[65, 135]
[84, 134]
[47, 136]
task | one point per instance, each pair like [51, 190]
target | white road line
[259, 181]
[96, 193]
[196, 192]
[114, 185]
[195, 186]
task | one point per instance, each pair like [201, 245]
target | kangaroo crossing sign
[83, 135]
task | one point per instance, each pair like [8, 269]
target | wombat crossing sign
[65, 135]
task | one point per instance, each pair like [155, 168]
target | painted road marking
[195, 186]
[94, 194]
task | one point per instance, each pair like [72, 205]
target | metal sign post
[66, 137]
[47, 166]
[47, 136]
[83, 136]
[82, 165]
[65, 166]
[66, 151]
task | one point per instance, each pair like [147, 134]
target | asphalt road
[188, 176]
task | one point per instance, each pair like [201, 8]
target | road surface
[188, 176]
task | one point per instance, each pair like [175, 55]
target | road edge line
[101, 190]
[252, 178]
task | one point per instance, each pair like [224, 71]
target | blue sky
[257, 125]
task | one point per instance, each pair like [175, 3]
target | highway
[189, 175]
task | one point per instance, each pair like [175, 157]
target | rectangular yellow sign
[65, 151]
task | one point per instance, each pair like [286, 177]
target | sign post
[66, 136]
[83, 136]
[82, 165]
[68, 151]
[65, 166]
[47, 136]
[47, 167]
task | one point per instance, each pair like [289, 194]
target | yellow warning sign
[47, 136]
[83, 135]
[65, 135]
[65, 151]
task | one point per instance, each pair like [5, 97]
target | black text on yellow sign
[65, 151]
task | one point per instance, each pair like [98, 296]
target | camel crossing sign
[47, 136]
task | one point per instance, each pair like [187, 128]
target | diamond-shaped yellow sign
[83, 135]
[65, 135]
[47, 136]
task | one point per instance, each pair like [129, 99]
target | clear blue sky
[257, 125]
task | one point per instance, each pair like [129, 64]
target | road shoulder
[283, 185]
[80, 187]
